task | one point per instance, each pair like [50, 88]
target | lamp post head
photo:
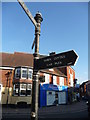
[38, 17]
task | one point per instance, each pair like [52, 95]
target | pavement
[74, 110]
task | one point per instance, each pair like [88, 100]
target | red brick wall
[63, 70]
[3, 78]
[50, 78]
[65, 82]
[57, 80]
[68, 74]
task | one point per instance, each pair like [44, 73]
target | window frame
[29, 90]
[61, 81]
[14, 89]
[23, 89]
[17, 77]
[22, 73]
[30, 70]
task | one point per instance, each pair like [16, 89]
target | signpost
[35, 83]
[57, 60]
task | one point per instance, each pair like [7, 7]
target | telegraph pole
[35, 86]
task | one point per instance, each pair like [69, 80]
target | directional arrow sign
[57, 60]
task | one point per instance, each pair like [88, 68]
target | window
[46, 78]
[24, 73]
[61, 81]
[17, 73]
[71, 80]
[16, 89]
[29, 87]
[50, 93]
[69, 71]
[54, 80]
[30, 74]
[22, 89]
[22, 86]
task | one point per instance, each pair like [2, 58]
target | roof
[17, 59]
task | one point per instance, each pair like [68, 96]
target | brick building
[16, 77]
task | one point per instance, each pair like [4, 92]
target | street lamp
[8, 76]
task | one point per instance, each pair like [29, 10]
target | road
[75, 110]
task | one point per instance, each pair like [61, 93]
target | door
[50, 98]
[62, 97]
[56, 97]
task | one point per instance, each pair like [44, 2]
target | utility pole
[35, 84]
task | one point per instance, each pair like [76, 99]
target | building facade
[16, 73]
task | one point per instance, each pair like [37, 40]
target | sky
[64, 27]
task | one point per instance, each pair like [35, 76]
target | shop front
[52, 95]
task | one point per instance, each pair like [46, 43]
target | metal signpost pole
[58, 60]
[35, 86]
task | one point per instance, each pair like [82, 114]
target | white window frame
[31, 74]
[61, 81]
[22, 73]
[22, 89]
[69, 70]
[29, 89]
[71, 80]
[54, 80]
[15, 89]
[16, 72]
[46, 78]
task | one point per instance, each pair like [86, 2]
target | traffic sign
[57, 60]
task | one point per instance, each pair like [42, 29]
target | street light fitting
[38, 17]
